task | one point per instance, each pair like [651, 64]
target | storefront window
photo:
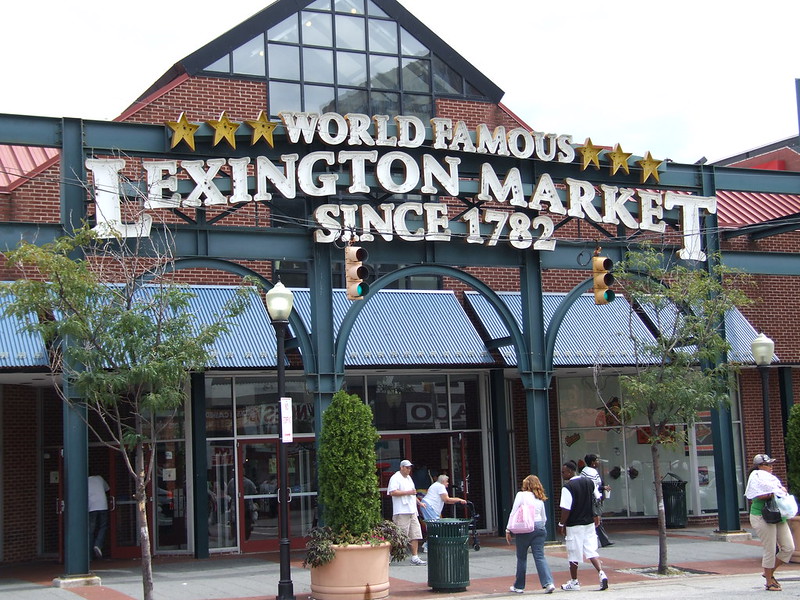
[589, 423]
[219, 407]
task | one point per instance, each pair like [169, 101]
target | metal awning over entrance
[592, 334]
[405, 328]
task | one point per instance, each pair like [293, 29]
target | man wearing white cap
[404, 507]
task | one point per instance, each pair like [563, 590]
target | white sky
[682, 79]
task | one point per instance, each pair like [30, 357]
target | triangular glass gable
[345, 56]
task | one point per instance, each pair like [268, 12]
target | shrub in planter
[348, 484]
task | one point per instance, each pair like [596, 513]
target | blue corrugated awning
[592, 334]
[18, 348]
[250, 342]
[405, 328]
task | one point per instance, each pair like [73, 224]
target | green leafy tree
[793, 449]
[124, 351]
[682, 369]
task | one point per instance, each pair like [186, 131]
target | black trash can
[674, 501]
[448, 555]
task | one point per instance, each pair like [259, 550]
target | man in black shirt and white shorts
[577, 523]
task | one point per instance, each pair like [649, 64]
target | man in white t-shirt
[98, 514]
[403, 492]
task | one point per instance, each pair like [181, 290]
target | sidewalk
[729, 568]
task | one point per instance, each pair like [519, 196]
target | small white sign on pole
[286, 421]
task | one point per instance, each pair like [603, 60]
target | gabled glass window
[345, 56]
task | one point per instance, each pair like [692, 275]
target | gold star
[224, 129]
[619, 160]
[649, 167]
[262, 127]
[590, 154]
[182, 130]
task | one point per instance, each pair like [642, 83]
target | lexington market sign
[377, 158]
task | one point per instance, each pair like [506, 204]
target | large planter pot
[794, 526]
[355, 573]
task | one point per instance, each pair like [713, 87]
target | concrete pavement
[719, 568]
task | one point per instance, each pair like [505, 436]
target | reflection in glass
[284, 62]
[248, 59]
[382, 36]
[418, 106]
[350, 33]
[352, 101]
[385, 103]
[374, 11]
[355, 7]
[219, 407]
[220, 515]
[385, 72]
[409, 45]
[319, 98]
[318, 66]
[170, 498]
[445, 79]
[320, 5]
[416, 75]
[223, 65]
[285, 31]
[351, 68]
[317, 29]
[283, 96]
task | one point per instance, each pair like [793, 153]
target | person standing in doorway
[578, 523]
[404, 507]
[98, 514]
[590, 472]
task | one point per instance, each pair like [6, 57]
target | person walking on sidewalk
[761, 486]
[532, 494]
[578, 523]
[590, 472]
[404, 507]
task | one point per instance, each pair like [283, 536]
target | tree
[683, 368]
[124, 351]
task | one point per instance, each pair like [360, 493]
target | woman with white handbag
[527, 523]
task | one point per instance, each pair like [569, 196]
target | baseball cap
[406, 463]
[763, 459]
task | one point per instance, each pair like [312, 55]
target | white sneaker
[97, 552]
[424, 547]
[603, 580]
[516, 590]
[549, 589]
[573, 585]
[416, 560]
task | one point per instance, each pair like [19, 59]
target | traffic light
[601, 266]
[355, 272]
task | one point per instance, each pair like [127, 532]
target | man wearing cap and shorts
[578, 525]
[404, 507]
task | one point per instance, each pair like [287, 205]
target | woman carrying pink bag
[529, 506]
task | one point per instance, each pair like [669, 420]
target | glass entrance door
[254, 500]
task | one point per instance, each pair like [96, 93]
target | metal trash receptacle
[448, 555]
[674, 501]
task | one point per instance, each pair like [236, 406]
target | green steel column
[199, 464]
[76, 491]
[504, 491]
[537, 382]
[721, 421]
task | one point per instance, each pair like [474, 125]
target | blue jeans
[534, 541]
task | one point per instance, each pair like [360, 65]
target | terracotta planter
[355, 573]
[794, 526]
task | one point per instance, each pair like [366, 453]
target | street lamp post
[763, 352]
[279, 306]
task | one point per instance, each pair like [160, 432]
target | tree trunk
[141, 522]
[663, 566]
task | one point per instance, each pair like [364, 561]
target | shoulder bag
[771, 513]
[523, 520]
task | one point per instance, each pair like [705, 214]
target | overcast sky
[683, 79]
